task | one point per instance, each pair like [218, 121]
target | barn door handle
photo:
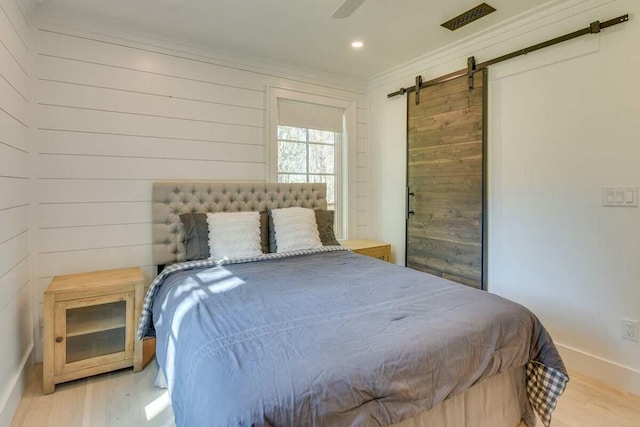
[409, 210]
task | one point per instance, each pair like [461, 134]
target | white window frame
[346, 157]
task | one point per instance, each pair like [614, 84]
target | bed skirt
[500, 401]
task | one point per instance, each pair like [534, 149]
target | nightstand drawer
[380, 252]
[370, 248]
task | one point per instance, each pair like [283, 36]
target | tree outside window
[309, 155]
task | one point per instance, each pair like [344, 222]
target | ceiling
[302, 32]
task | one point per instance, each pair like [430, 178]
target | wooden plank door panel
[445, 174]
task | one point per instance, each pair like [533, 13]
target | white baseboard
[14, 390]
[611, 373]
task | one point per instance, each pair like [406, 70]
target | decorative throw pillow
[325, 222]
[196, 234]
[273, 245]
[324, 219]
[264, 232]
[234, 235]
[295, 229]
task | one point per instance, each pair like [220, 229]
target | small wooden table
[370, 248]
[90, 323]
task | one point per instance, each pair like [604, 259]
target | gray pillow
[273, 246]
[324, 219]
[196, 234]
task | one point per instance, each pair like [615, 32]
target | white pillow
[234, 235]
[295, 229]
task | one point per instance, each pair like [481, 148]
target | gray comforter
[330, 338]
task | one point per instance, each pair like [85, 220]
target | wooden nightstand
[370, 248]
[90, 323]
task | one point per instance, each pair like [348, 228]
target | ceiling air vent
[469, 16]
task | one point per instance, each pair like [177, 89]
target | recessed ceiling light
[357, 44]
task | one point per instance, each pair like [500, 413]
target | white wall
[117, 110]
[564, 122]
[16, 325]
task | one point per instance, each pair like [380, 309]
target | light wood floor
[125, 399]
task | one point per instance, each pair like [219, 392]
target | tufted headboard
[170, 199]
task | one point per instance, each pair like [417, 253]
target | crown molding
[547, 15]
[52, 16]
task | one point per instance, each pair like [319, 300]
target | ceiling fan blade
[347, 8]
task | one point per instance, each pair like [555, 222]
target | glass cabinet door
[93, 331]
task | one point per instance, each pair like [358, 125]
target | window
[309, 141]
[309, 155]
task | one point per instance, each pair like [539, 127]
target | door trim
[485, 179]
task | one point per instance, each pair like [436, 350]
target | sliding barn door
[446, 180]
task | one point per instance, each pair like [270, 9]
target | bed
[325, 336]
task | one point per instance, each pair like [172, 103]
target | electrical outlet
[630, 329]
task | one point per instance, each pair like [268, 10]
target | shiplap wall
[16, 330]
[117, 111]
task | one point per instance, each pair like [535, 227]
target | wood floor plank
[95, 403]
[34, 408]
[127, 399]
[604, 405]
[69, 395]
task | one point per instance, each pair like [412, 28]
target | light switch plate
[620, 196]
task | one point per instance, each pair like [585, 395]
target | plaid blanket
[544, 386]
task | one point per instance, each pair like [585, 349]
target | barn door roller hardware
[593, 28]
[471, 68]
